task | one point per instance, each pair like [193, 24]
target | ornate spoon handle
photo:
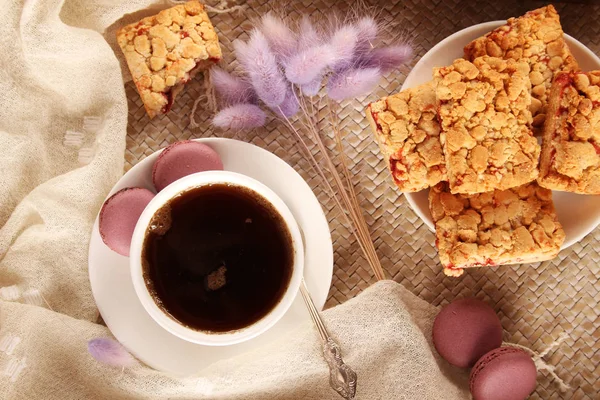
[341, 377]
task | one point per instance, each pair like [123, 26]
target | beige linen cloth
[57, 68]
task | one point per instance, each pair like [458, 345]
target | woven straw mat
[535, 302]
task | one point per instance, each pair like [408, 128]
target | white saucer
[578, 214]
[145, 339]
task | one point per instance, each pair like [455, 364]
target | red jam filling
[376, 119]
[396, 173]
[564, 80]
[169, 96]
[488, 262]
[184, 34]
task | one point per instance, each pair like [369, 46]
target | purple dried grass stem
[309, 64]
[386, 58]
[354, 82]
[243, 116]
[261, 65]
[110, 352]
[231, 89]
[281, 39]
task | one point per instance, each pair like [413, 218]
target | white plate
[132, 326]
[578, 214]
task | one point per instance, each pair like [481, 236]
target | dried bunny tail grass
[110, 352]
[386, 58]
[241, 50]
[313, 87]
[261, 65]
[308, 35]
[280, 37]
[241, 116]
[231, 89]
[309, 64]
[343, 43]
[352, 83]
[290, 105]
[368, 30]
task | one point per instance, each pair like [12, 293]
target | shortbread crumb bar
[512, 226]
[536, 38]
[165, 51]
[406, 127]
[570, 158]
[486, 124]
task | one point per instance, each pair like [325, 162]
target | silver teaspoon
[342, 378]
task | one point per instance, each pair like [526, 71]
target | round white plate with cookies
[579, 214]
[121, 309]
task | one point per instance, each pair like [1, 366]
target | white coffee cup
[163, 318]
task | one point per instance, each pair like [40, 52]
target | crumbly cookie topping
[485, 120]
[537, 38]
[512, 226]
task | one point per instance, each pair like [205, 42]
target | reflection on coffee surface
[217, 258]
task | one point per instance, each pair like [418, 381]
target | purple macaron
[465, 330]
[181, 159]
[119, 215]
[506, 373]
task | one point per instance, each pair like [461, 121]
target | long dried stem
[342, 192]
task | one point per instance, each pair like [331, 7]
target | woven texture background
[535, 302]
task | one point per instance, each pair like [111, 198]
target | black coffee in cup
[217, 258]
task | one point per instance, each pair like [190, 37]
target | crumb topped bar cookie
[512, 226]
[166, 50]
[570, 158]
[485, 124]
[407, 130]
[537, 38]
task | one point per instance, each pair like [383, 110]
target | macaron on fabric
[119, 215]
[181, 159]
[505, 373]
[465, 330]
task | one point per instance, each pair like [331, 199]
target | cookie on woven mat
[513, 226]
[406, 128]
[536, 38]
[165, 51]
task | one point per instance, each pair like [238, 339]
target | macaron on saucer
[181, 159]
[110, 277]
[118, 217]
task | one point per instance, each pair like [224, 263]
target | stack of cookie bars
[469, 135]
